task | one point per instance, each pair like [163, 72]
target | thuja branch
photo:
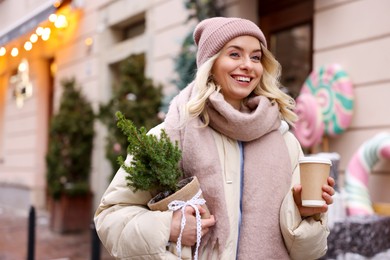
[155, 161]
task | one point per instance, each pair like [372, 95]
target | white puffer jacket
[129, 230]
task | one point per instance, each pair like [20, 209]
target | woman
[231, 126]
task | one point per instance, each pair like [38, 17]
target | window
[130, 28]
[287, 24]
[134, 29]
[292, 48]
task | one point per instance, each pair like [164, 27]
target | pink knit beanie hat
[212, 34]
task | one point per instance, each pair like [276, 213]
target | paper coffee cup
[314, 174]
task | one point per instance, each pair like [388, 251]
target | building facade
[97, 35]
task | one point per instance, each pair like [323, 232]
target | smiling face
[238, 69]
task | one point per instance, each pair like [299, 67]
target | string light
[46, 34]
[33, 38]
[39, 31]
[61, 22]
[27, 45]
[52, 18]
[23, 66]
[57, 3]
[14, 52]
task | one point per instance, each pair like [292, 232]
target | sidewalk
[48, 245]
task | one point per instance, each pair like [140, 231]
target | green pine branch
[155, 162]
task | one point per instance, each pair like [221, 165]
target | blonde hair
[204, 86]
[269, 87]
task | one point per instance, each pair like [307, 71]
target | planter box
[70, 213]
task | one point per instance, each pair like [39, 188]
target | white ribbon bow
[179, 204]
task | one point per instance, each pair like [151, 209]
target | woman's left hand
[327, 194]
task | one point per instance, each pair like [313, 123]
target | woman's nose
[246, 63]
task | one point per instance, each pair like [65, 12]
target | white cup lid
[314, 159]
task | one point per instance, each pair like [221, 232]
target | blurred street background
[98, 57]
[48, 244]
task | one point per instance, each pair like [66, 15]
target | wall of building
[356, 34]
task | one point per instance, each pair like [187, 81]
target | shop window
[287, 24]
[292, 48]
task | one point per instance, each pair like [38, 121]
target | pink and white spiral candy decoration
[356, 176]
[333, 90]
[309, 128]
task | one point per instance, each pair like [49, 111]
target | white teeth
[245, 79]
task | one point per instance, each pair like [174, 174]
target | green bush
[137, 98]
[71, 132]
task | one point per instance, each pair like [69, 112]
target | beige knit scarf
[266, 177]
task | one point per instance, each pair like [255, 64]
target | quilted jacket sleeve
[307, 238]
[128, 229]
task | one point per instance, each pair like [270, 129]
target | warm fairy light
[39, 31]
[61, 22]
[33, 38]
[52, 18]
[45, 37]
[28, 46]
[14, 52]
[46, 30]
[57, 3]
[56, 21]
[46, 34]
[88, 41]
[22, 67]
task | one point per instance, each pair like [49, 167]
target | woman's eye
[234, 54]
[256, 58]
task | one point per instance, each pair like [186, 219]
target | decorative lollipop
[309, 128]
[358, 170]
[334, 93]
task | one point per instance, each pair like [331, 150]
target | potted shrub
[155, 167]
[137, 98]
[68, 161]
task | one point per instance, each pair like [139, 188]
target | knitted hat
[212, 34]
